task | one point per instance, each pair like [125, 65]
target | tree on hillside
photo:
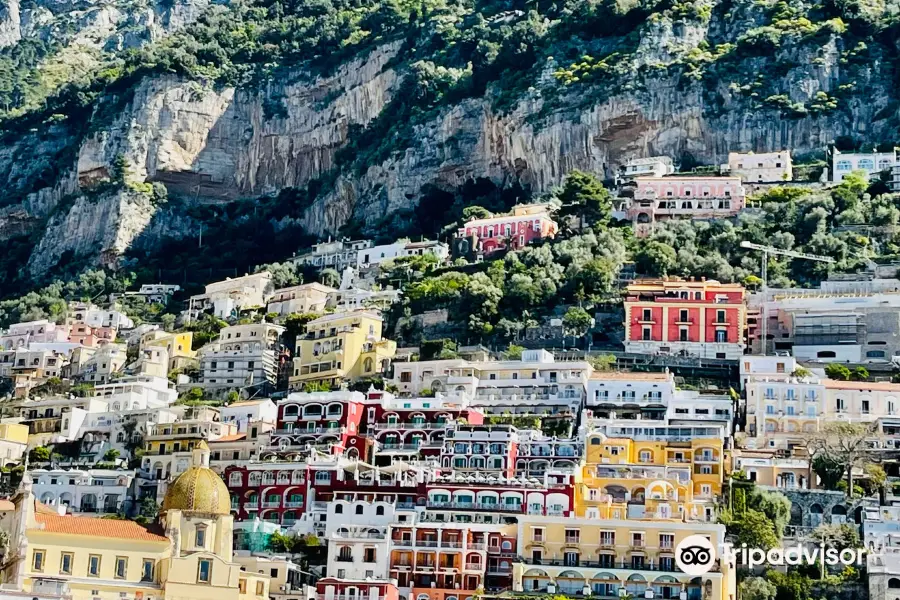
[577, 322]
[584, 196]
[329, 277]
[847, 444]
[757, 588]
[655, 258]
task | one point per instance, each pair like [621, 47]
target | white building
[535, 384]
[241, 414]
[305, 298]
[137, 392]
[91, 491]
[227, 298]
[358, 552]
[350, 296]
[336, 254]
[873, 163]
[652, 166]
[759, 365]
[244, 355]
[21, 335]
[158, 292]
[94, 316]
[376, 255]
[765, 167]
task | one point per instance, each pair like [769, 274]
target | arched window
[235, 479]
[379, 510]
[359, 509]
[338, 509]
[368, 365]
[291, 410]
[844, 165]
[866, 164]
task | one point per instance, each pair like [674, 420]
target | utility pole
[766, 251]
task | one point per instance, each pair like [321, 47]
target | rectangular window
[121, 567]
[646, 334]
[37, 561]
[721, 336]
[537, 534]
[647, 315]
[65, 563]
[242, 586]
[260, 588]
[204, 571]
[683, 316]
[147, 570]
[200, 541]
[369, 555]
[94, 565]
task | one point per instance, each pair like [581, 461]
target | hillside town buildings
[526, 223]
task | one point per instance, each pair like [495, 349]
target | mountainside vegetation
[815, 68]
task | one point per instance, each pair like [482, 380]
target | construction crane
[767, 250]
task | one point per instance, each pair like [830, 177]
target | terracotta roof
[628, 375]
[876, 386]
[105, 528]
[234, 437]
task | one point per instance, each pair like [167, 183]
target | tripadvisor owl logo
[695, 555]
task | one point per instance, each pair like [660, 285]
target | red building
[488, 494]
[525, 224]
[413, 428]
[688, 318]
[330, 588]
[328, 421]
[274, 492]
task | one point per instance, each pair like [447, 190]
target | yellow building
[176, 345]
[652, 477]
[186, 556]
[13, 442]
[615, 558]
[341, 346]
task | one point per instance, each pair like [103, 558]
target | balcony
[407, 426]
[491, 506]
[474, 566]
[272, 504]
[293, 504]
[628, 565]
[572, 539]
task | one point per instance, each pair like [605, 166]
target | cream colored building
[227, 298]
[765, 167]
[783, 410]
[13, 442]
[305, 298]
[615, 558]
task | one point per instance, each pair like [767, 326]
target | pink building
[526, 223]
[91, 337]
[661, 198]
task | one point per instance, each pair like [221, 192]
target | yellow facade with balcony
[340, 347]
[614, 558]
[624, 478]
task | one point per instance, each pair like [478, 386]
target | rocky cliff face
[221, 145]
